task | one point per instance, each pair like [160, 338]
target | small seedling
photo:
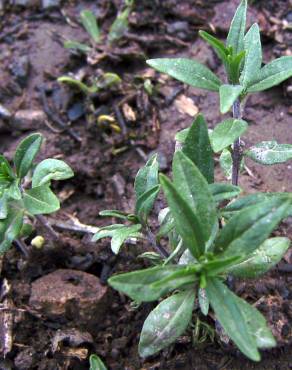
[96, 363]
[207, 239]
[25, 189]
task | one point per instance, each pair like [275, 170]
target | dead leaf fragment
[185, 105]
[129, 113]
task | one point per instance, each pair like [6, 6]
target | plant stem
[43, 221]
[236, 151]
[152, 240]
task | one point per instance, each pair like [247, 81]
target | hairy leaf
[225, 161]
[152, 283]
[198, 148]
[40, 200]
[228, 95]
[226, 132]
[26, 152]
[193, 187]
[235, 37]
[188, 71]
[253, 56]
[249, 228]
[218, 45]
[262, 259]
[145, 203]
[204, 302]
[166, 322]
[221, 191]
[10, 228]
[50, 169]
[147, 177]
[272, 74]
[186, 221]
[270, 152]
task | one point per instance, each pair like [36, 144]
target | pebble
[50, 4]
[28, 119]
[71, 295]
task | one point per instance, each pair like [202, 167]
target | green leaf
[198, 148]
[166, 323]
[147, 177]
[120, 26]
[77, 46]
[186, 221]
[253, 56]
[218, 266]
[218, 45]
[13, 190]
[80, 85]
[235, 37]
[247, 201]
[221, 191]
[114, 213]
[145, 203]
[272, 74]
[106, 231]
[270, 152]
[96, 363]
[152, 283]
[182, 135]
[225, 161]
[249, 228]
[193, 187]
[50, 169]
[3, 206]
[122, 234]
[188, 71]
[89, 22]
[166, 222]
[226, 132]
[234, 67]
[26, 152]
[6, 171]
[40, 200]
[10, 228]
[228, 95]
[228, 310]
[204, 302]
[262, 259]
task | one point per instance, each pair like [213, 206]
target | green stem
[236, 151]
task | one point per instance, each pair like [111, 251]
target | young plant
[207, 239]
[25, 188]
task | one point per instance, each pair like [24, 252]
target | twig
[236, 152]
[22, 247]
[120, 119]
[43, 221]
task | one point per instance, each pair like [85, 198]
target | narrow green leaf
[204, 302]
[228, 95]
[188, 71]
[226, 132]
[186, 221]
[89, 22]
[218, 45]
[96, 363]
[166, 222]
[225, 161]
[198, 148]
[166, 323]
[77, 46]
[228, 310]
[106, 231]
[193, 187]
[50, 169]
[40, 200]
[120, 26]
[253, 56]
[262, 259]
[3, 206]
[221, 191]
[182, 135]
[218, 266]
[272, 74]
[80, 85]
[249, 228]
[235, 37]
[114, 213]
[26, 152]
[270, 152]
[152, 283]
[147, 177]
[10, 228]
[145, 203]
[121, 235]
[13, 191]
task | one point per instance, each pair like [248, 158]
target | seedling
[25, 188]
[96, 363]
[207, 239]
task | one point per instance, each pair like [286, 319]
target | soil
[105, 163]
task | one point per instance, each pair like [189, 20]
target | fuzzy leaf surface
[270, 152]
[228, 95]
[166, 323]
[188, 71]
[235, 36]
[221, 191]
[40, 200]
[147, 177]
[50, 169]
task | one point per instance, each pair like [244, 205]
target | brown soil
[105, 164]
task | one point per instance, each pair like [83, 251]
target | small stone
[50, 4]
[4, 112]
[27, 119]
[70, 295]
[175, 27]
